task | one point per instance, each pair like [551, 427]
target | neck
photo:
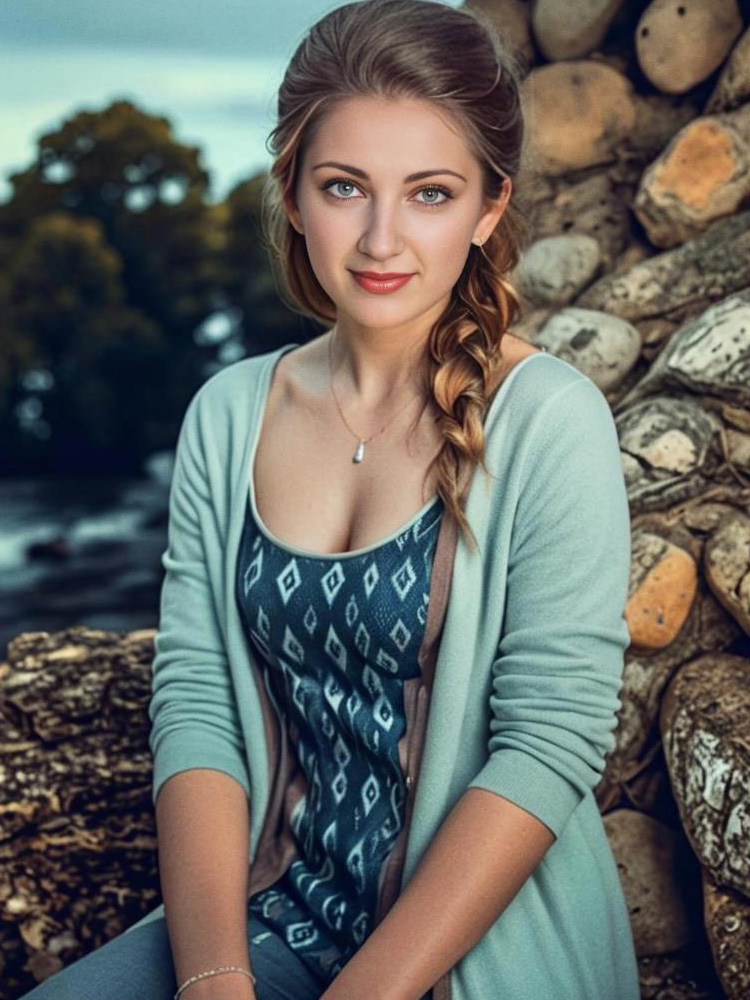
[376, 371]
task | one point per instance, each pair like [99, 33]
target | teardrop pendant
[359, 454]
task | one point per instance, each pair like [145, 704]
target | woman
[386, 677]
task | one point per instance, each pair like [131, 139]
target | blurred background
[132, 153]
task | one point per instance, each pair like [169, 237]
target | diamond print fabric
[336, 637]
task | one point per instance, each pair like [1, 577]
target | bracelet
[213, 972]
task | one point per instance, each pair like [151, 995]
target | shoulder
[233, 381]
[231, 392]
[221, 412]
[554, 451]
[532, 386]
[546, 407]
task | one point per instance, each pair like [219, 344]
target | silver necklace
[359, 453]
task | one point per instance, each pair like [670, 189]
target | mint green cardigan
[528, 672]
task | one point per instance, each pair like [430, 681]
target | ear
[494, 208]
[293, 213]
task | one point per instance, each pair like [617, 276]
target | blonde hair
[415, 49]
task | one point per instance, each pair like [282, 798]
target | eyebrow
[420, 175]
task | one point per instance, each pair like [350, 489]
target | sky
[212, 68]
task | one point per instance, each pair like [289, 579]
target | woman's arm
[480, 857]
[553, 703]
[202, 822]
[201, 785]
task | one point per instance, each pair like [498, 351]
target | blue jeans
[137, 965]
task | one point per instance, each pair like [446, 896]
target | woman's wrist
[226, 986]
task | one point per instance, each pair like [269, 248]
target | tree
[124, 168]
[108, 250]
[66, 315]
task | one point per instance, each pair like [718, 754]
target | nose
[382, 237]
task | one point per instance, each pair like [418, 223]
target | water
[105, 573]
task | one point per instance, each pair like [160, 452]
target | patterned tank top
[335, 637]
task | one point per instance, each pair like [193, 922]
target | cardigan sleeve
[192, 707]
[557, 674]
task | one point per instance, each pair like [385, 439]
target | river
[104, 568]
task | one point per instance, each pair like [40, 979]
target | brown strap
[442, 988]
[440, 585]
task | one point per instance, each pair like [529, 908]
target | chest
[311, 495]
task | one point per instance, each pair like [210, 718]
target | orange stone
[659, 606]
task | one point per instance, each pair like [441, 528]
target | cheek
[445, 252]
[327, 234]
[449, 236]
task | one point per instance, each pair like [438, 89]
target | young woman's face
[359, 211]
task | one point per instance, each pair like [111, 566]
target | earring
[477, 243]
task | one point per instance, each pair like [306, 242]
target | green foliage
[112, 259]
[125, 169]
[65, 303]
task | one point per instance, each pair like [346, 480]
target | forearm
[480, 857]
[202, 820]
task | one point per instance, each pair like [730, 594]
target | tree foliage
[114, 265]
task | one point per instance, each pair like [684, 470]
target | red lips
[385, 276]
[381, 284]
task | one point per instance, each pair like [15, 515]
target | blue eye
[426, 204]
[440, 190]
